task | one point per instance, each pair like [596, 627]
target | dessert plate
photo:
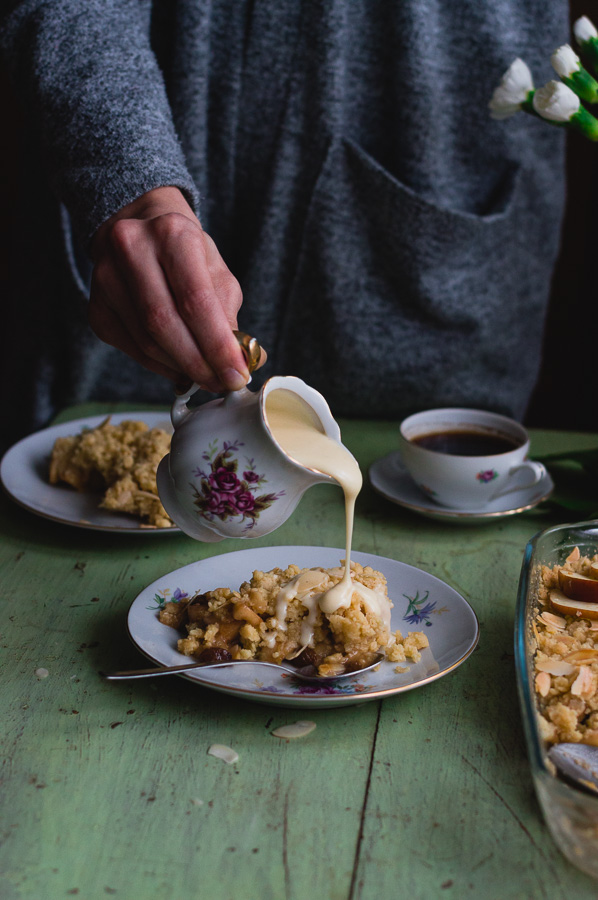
[24, 476]
[389, 477]
[422, 602]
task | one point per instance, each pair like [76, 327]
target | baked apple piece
[578, 587]
[571, 607]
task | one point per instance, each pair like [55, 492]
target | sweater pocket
[398, 303]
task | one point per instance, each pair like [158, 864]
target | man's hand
[162, 293]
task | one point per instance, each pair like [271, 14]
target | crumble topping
[276, 616]
[118, 461]
[566, 657]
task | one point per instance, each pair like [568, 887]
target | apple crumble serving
[277, 616]
[566, 657]
[119, 461]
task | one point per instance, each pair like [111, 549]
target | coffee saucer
[389, 477]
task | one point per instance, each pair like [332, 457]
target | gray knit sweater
[394, 245]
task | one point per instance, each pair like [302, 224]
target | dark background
[566, 396]
[567, 392]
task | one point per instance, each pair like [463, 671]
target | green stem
[590, 51]
[585, 123]
[584, 85]
[528, 105]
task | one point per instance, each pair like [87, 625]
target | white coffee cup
[454, 473]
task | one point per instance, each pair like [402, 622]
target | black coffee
[464, 442]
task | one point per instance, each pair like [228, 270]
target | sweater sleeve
[95, 99]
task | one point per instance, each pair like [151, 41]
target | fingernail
[234, 380]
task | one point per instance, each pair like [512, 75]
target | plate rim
[62, 429]
[325, 699]
[439, 512]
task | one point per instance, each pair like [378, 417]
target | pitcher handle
[252, 352]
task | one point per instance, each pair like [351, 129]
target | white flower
[513, 89]
[584, 30]
[565, 61]
[556, 102]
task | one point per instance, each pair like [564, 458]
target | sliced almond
[574, 555]
[584, 684]
[309, 581]
[296, 730]
[226, 754]
[542, 683]
[579, 657]
[566, 605]
[554, 666]
[555, 621]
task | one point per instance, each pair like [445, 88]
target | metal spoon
[578, 763]
[306, 673]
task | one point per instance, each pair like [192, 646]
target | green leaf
[575, 476]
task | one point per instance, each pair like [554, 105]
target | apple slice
[569, 607]
[578, 587]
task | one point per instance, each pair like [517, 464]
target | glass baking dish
[571, 813]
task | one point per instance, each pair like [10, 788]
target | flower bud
[567, 64]
[514, 89]
[586, 36]
[565, 61]
[556, 102]
[584, 30]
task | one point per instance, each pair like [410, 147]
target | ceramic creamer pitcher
[226, 476]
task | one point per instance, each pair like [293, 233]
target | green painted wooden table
[107, 789]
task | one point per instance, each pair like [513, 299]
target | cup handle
[537, 471]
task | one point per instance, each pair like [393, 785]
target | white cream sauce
[300, 433]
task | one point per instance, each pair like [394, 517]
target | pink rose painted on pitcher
[222, 494]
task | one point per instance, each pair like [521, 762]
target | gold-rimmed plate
[422, 602]
[24, 476]
[390, 479]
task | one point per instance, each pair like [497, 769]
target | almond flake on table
[296, 730]
[41, 673]
[226, 754]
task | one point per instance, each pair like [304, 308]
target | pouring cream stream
[298, 430]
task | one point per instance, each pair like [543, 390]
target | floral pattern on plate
[420, 609]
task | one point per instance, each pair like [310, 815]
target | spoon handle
[161, 670]
[306, 673]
